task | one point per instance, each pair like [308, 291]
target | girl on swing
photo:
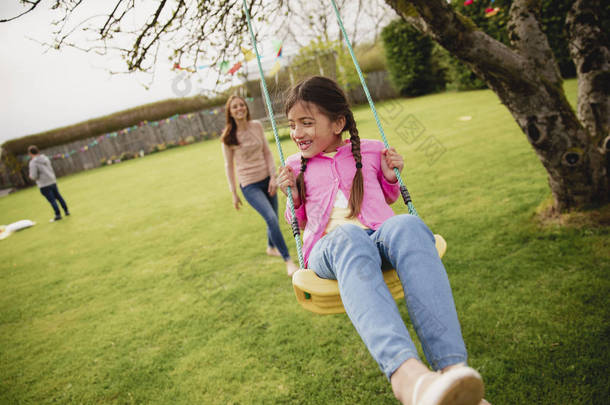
[341, 191]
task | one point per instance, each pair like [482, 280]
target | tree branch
[33, 3]
[486, 56]
[159, 33]
[108, 23]
[529, 40]
[589, 49]
[136, 47]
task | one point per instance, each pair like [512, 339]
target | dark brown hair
[33, 149]
[229, 133]
[332, 102]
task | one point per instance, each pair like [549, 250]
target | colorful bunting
[275, 69]
[178, 67]
[235, 68]
[224, 67]
[125, 131]
[277, 45]
[248, 55]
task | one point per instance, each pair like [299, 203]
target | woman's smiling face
[312, 131]
[238, 109]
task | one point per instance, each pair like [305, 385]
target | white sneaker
[459, 386]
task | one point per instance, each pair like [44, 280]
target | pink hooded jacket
[325, 175]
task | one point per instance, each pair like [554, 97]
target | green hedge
[412, 68]
[110, 123]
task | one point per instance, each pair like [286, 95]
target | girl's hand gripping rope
[285, 179]
[391, 159]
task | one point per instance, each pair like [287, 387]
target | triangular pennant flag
[247, 54]
[235, 68]
[224, 66]
[277, 45]
[276, 68]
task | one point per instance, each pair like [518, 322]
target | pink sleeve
[299, 212]
[391, 191]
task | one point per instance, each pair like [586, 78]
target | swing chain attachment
[403, 188]
[295, 227]
[295, 231]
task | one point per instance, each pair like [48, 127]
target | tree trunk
[526, 78]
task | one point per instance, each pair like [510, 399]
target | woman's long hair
[229, 133]
[332, 102]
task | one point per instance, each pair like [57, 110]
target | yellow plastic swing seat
[321, 296]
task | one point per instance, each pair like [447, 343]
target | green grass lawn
[156, 291]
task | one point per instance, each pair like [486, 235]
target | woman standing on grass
[245, 148]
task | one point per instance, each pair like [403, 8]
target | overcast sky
[45, 89]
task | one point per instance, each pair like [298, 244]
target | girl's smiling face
[312, 131]
[238, 109]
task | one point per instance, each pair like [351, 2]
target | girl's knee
[408, 225]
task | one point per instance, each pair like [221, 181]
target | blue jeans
[51, 193]
[258, 197]
[355, 258]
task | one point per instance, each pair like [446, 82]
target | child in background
[341, 191]
[41, 170]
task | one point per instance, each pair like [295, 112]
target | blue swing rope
[403, 189]
[295, 223]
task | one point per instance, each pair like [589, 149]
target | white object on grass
[7, 230]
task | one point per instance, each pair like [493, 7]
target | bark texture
[525, 76]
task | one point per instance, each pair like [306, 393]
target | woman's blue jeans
[258, 197]
[355, 258]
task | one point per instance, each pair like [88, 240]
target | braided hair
[332, 102]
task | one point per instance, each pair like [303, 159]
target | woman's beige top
[253, 159]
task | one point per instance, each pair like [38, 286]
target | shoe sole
[468, 391]
[463, 386]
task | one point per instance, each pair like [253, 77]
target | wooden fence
[143, 139]
[149, 137]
